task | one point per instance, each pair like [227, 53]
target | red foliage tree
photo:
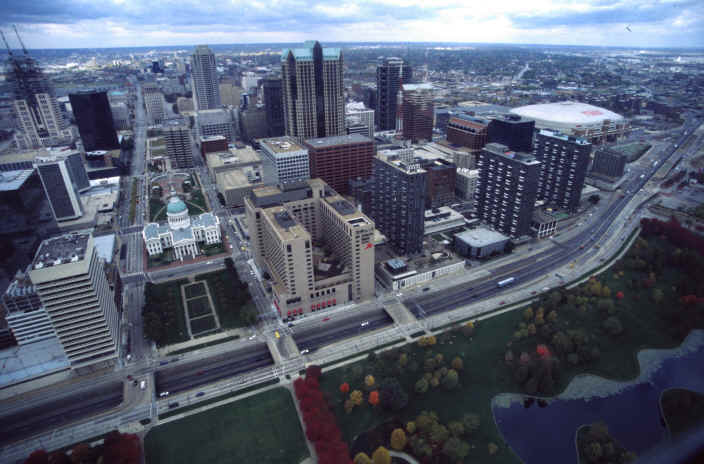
[38, 457]
[619, 296]
[121, 448]
[374, 398]
[314, 372]
[542, 351]
[345, 388]
[59, 457]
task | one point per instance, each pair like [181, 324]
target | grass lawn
[260, 429]
[164, 259]
[197, 201]
[202, 324]
[157, 210]
[486, 374]
[224, 289]
[198, 306]
[168, 323]
[215, 249]
[194, 290]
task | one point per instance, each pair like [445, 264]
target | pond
[630, 409]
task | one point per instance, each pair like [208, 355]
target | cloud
[104, 23]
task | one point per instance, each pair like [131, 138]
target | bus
[505, 282]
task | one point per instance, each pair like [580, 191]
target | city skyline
[73, 24]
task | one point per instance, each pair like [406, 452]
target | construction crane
[20, 39]
[9, 50]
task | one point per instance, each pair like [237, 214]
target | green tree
[362, 458]
[528, 314]
[451, 380]
[393, 396]
[613, 325]
[658, 295]
[456, 428]
[471, 422]
[455, 449]
[421, 386]
[398, 439]
[439, 433]
[381, 456]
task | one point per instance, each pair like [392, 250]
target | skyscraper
[390, 74]
[274, 106]
[40, 122]
[564, 161]
[155, 103]
[339, 159]
[417, 112]
[313, 91]
[512, 130]
[507, 189]
[94, 118]
[206, 92]
[63, 177]
[178, 143]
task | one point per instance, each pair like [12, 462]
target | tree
[619, 295]
[594, 199]
[381, 456]
[411, 427]
[468, 329]
[471, 422]
[456, 428]
[374, 398]
[349, 406]
[552, 316]
[528, 314]
[369, 381]
[83, 453]
[658, 295]
[362, 458]
[457, 363]
[439, 433]
[455, 449]
[344, 388]
[398, 439]
[314, 371]
[59, 457]
[421, 386]
[613, 325]
[493, 448]
[451, 380]
[593, 451]
[562, 343]
[392, 394]
[357, 397]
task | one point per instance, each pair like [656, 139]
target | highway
[192, 375]
[338, 328]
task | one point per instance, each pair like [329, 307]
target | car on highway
[305, 351]
[200, 394]
[163, 394]
[533, 292]
[142, 384]
[425, 289]
[502, 302]
[364, 324]
[277, 334]
[326, 319]
[173, 405]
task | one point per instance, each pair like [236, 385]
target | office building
[204, 79]
[274, 106]
[38, 117]
[337, 160]
[250, 82]
[512, 130]
[94, 119]
[440, 182]
[396, 202]
[64, 177]
[215, 122]
[564, 160]
[391, 73]
[239, 157]
[466, 183]
[284, 160]
[480, 243]
[316, 246]
[121, 116]
[252, 122]
[212, 144]
[181, 232]
[73, 287]
[24, 313]
[229, 94]
[608, 163]
[154, 103]
[417, 112]
[313, 91]
[469, 132]
[184, 105]
[507, 190]
[178, 143]
[359, 120]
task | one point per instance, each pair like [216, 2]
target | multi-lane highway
[309, 338]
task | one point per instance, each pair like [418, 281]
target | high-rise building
[440, 182]
[274, 106]
[250, 82]
[94, 119]
[215, 122]
[417, 112]
[206, 91]
[73, 286]
[64, 177]
[252, 123]
[178, 143]
[391, 73]
[564, 160]
[284, 160]
[359, 120]
[154, 103]
[608, 163]
[468, 132]
[313, 91]
[466, 183]
[316, 246]
[507, 189]
[396, 201]
[512, 130]
[337, 160]
[120, 116]
[39, 120]
[23, 310]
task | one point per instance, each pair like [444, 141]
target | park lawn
[164, 259]
[165, 300]
[198, 200]
[198, 306]
[202, 324]
[485, 373]
[157, 209]
[263, 428]
[215, 249]
[223, 286]
[194, 290]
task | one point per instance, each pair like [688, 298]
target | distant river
[630, 409]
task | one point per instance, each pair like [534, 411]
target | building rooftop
[469, 123]
[342, 206]
[499, 149]
[559, 135]
[414, 87]
[13, 180]
[284, 144]
[305, 53]
[68, 248]
[480, 237]
[105, 246]
[215, 116]
[324, 142]
[41, 154]
[568, 112]
[287, 227]
[25, 362]
[233, 178]
[234, 157]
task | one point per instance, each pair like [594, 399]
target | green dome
[176, 206]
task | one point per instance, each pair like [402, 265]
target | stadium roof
[567, 113]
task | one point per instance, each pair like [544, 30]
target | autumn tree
[455, 449]
[362, 458]
[398, 439]
[411, 427]
[451, 380]
[374, 398]
[357, 397]
[381, 456]
[457, 363]
[369, 381]
[493, 448]
[344, 388]
[37, 457]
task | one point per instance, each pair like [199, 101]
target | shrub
[381, 456]
[398, 439]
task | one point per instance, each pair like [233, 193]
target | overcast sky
[116, 23]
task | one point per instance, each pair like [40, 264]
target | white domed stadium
[590, 122]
